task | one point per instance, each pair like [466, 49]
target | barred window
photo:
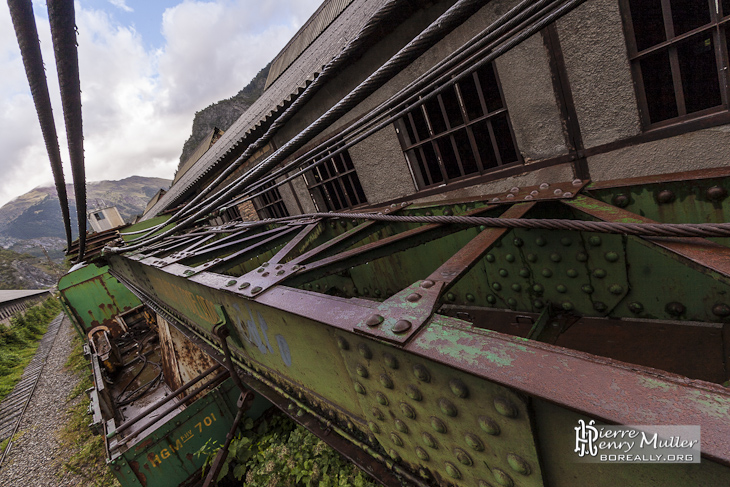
[270, 204]
[465, 130]
[334, 184]
[679, 56]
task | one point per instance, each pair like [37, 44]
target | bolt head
[427, 284]
[374, 320]
[452, 470]
[505, 407]
[422, 454]
[621, 200]
[390, 361]
[488, 425]
[256, 290]
[721, 309]
[412, 298]
[474, 442]
[402, 326]
[518, 464]
[675, 309]
[447, 407]
[438, 425]
[636, 307]
[664, 197]
[421, 373]
[716, 193]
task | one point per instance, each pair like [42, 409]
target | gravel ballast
[36, 457]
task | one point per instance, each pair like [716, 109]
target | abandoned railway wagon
[464, 242]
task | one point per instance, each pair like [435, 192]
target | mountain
[223, 113]
[23, 271]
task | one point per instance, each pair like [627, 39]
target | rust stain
[134, 465]
[143, 446]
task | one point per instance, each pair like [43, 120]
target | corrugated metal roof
[197, 154]
[279, 95]
[317, 23]
[6, 296]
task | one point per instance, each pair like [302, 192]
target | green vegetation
[19, 341]
[277, 452]
[14, 267]
[88, 458]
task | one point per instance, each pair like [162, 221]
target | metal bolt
[390, 361]
[491, 299]
[359, 388]
[518, 464]
[380, 397]
[279, 273]
[509, 258]
[512, 302]
[529, 197]
[567, 194]
[502, 478]
[474, 442]
[470, 297]
[396, 439]
[555, 257]
[721, 309]
[231, 283]
[458, 388]
[386, 381]
[675, 309]
[401, 426]
[256, 290]
[571, 273]
[496, 286]
[422, 454]
[413, 297]
[427, 284]
[561, 288]
[611, 256]
[558, 192]
[244, 285]
[516, 287]
[362, 371]
[665, 197]
[407, 411]
[621, 200]
[599, 273]
[414, 393]
[503, 272]
[438, 425]
[447, 407]
[364, 351]
[342, 344]
[716, 193]
[544, 186]
[547, 272]
[374, 320]
[577, 182]
[636, 307]
[524, 272]
[538, 289]
[514, 189]
[452, 470]
[401, 326]
[429, 440]
[505, 407]
[463, 457]
[421, 373]
[490, 258]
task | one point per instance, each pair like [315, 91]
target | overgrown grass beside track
[19, 341]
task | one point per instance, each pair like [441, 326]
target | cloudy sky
[146, 67]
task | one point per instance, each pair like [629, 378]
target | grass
[19, 342]
[88, 458]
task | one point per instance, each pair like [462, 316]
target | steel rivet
[394, 455]
[421, 373]
[567, 306]
[490, 258]
[496, 286]
[374, 320]
[599, 273]
[518, 464]
[377, 292]
[488, 425]
[581, 257]
[256, 290]
[470, 298]
[665, 197]
[555, 257]
[503, 272]
[558, 192]
[518, 242]
[529, 197]
[378, 414]
[491, 299]
[538, 303]
[561, 288]
[566, 242]
[568, 194]
[534, 192]
[448, 212]
[502, 478]
[587, 288]
[458, 388]
[401, 426]
[577, 182]
[342, 344]
[413, 297]
[474, 442]
[509, 258]
[188, 272]
[571, 273]
[496, 199]
[512, 302]
[505, 407]
[231, 283]
[547, 272]
[544, 186]
[595, 240]
[510, 196]
[260, 270]
[620, 200]
[611, 256]
[532, 257]
[401, 326]
[516, 287]
[422, 454]
[364, 351]
[386, 381]
[636, 307]
[359, 388]
[407, 411]
[452, 470]
[380, 397]
[599, 306]
[265, 274]
[317, 287]
[244, 285]
[390, 361]
[482, 228]
[524, 272]
[450, 296]
[438, 425]
[413, 393]
[538, 289]
[721, 309]
[675, 309]
[279, 273]
[514, 189]
[716, 193]
[447, 407]
[365, 291]
[429, 441]
[540, 241]
[463, 457]
[615, 289]
[374, 427]
[362, 371]
[396, 439]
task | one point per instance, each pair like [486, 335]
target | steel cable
[26, 31]
[63, 32]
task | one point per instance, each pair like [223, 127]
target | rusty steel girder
[453, 354]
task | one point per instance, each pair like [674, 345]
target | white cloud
[138, 104]
[121, 4]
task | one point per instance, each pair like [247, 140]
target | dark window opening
[464, 130]
[679, 56]
[99, 216]
[270, 204]
[334, 184]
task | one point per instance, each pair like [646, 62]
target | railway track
[13, 406]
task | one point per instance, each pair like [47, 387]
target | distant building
[105, 218]
[12, 302]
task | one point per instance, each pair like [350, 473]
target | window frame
[322, 179]
[467, 125]
[270, 204]
[718, 25]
